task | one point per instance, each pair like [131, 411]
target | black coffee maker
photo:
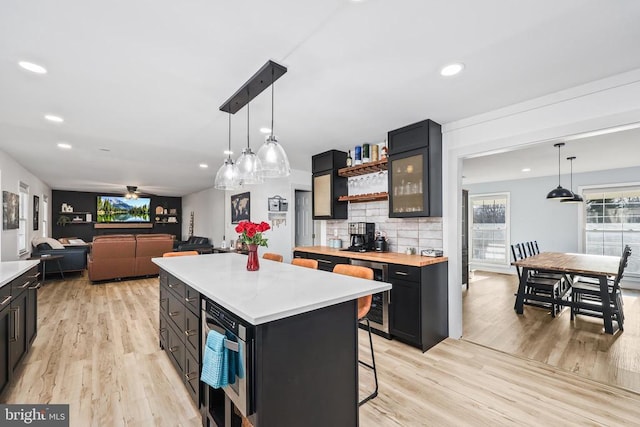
[362, 236]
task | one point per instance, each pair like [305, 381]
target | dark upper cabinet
[328, 186]
[415, 170]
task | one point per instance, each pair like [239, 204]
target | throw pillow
[43, 247]
[51, 242]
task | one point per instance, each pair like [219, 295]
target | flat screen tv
[121, 209]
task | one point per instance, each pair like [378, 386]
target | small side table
[44, 260]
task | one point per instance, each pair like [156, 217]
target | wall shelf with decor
[363, 169]
[166, 219]
[67, 218]
[369, 197]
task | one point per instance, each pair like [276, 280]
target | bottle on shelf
[349, 159]
[366, 155]
[357, 155]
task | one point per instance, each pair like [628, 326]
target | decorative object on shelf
[251, 235]
[173, 211]
[66, 208]
[382, 147]
[576, 197]
[559, 193]
[349, 160]
[227, 177]
[10, 211]
[88, 217]
[277, 204]
[240, 207]
[159, 210]
[36, 212]
[357, 155]
[274, 160]
[132, 192]
[63, 220]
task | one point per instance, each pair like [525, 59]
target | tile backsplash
[402, 233]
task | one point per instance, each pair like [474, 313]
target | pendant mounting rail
[269, 73]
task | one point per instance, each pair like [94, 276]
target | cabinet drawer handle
[37, 286]
[190, 332]
[172, 285]
[162, 330]
[190, 299]
[173, 349]
[163, 300]
[6, 300]
[25, 285]
[35, 276]
[324, 260]
[174, 313]
[401, 273]
[191, 376]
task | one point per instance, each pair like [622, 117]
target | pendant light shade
[227, 176]
[576, 198]
[275, 163]
[249, 165]
[559, 193]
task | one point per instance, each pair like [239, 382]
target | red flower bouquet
[251, 233]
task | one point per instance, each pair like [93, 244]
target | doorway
[303, 221]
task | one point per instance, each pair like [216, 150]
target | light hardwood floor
[97, 349]
[580, 346]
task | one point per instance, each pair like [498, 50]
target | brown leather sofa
[121, 256]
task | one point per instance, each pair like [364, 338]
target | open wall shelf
[366, 168]
[369, 197]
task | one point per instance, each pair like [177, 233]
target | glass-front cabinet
[415, 170]
[408, 181]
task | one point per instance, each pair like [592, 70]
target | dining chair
[273, 257]
[364, 305]
[588, 301]
[538, 285]
[183, 253]
[305, 262]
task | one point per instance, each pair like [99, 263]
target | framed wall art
[10, 210]
[36, 212]
[240, 207]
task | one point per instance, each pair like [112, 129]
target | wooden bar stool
[304, 262]
[183, 253]
[364, 305]
[272, 256]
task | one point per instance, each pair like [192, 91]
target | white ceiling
[602, 152]
[144, 79]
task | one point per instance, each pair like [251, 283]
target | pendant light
[576, 198]
[249, 165]
[227, 176]
[559, 193]
[275, 163]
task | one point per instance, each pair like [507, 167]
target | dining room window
[45, 216]
[611, 221]
[489, 228]
[23, 218]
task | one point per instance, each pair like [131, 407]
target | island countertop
[9, 270]
[276, 291]
[388, 257]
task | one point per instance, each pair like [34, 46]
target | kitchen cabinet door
[31, 328]
[17, 339]
[5, 327]
[404, 311]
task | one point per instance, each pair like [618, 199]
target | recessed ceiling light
[228, 152]
[451, 69]
[64, 145]
[52, 118]
[105, 149]
[526, 170]
[34, 68]
[265, 130]
[204, 165]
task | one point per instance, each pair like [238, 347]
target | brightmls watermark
[34, 415]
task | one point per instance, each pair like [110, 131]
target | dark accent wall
[87, 202]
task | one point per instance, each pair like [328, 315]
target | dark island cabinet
[415, 170]
[179, 332]
[18, 322]
[327, 186]
[418, 311]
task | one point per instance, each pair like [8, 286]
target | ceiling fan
[132, 192]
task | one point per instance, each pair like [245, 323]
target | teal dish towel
[215, 366]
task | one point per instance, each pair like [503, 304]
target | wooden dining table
[600, 267]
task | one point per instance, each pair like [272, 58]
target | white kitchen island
[304, 349]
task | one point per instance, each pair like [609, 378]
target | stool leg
[372, 366]
[60, 268]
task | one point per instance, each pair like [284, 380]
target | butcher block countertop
[388, 257]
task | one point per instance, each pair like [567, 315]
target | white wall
[208, 214]
[11, 174]
[282, 238]
[603, 104]
[556, 226]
